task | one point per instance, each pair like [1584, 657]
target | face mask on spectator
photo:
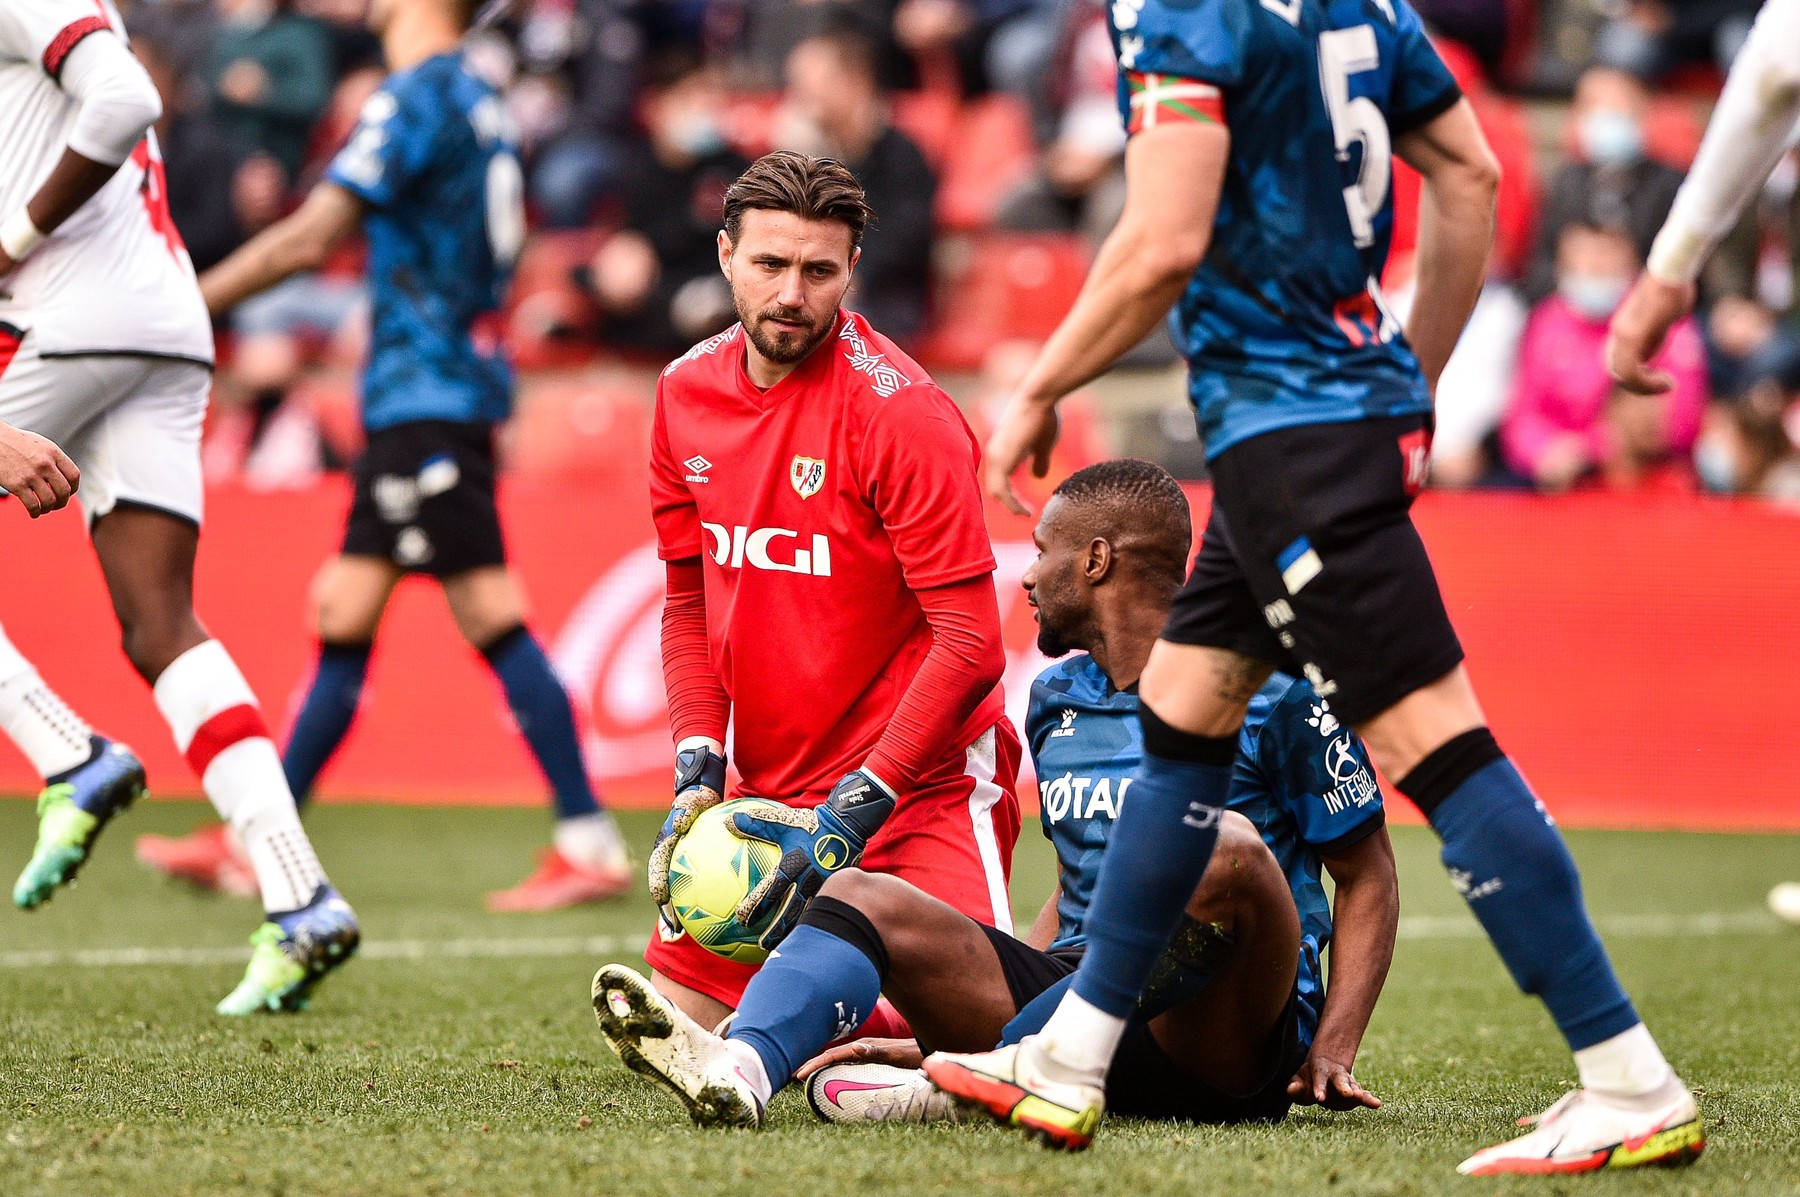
[1610, 138]
[1716, 465]
[696, 134]
[1596, 296]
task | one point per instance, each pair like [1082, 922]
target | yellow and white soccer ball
[713, 870]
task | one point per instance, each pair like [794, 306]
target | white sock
[1077, 1044]
[1627, 1065]
[592, 841]
[752, 1065]
[53, 738]
[219, 727]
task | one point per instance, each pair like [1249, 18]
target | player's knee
[1239, 861]
[879, 898]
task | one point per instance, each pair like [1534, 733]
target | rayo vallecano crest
[808, 476]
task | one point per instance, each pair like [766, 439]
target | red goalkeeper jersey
[818, 508]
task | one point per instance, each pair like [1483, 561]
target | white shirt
[115, 277]
[1750, 129]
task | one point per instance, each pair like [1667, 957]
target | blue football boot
[292, 952]
[71, 811]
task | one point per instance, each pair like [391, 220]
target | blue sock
[541, 708]
[1155, 857]
[821, 987]
[325, 716]
[1509, 862]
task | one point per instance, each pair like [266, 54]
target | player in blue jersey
[1236, 1026]
[1261, 142]
[432, 176]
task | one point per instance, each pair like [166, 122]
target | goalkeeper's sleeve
[966, 661]
[698, 704]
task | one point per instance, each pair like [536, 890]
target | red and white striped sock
[218, 725]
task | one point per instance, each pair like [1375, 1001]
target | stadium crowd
[986, 133]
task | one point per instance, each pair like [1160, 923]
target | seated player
[1238, 1025]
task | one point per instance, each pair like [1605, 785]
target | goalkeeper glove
[699, 784]
[814, 844]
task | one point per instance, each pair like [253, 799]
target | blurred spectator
[1639, 455]
[774, 27]
[270, 76]
[218, 194]
[1556, 430]
[354, 46]
[835, 105]
[657, 279]
[600, 46]
[1746, 447]
[994, 45]
[1649, 37]
[1475, 388]
[1611, 181]
[1080, 178]
[1745, 343]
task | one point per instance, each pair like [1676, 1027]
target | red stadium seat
[332, 397]
[574, 426]
[992, 152]
[548, 318]
[932, 119]
[994, 287]
[749, 122]
[1672, 130]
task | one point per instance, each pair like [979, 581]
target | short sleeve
[916, 463]
[1199, 48]
[46, 32]
[392, 146]
[1320, 772]
[672, 506]
[1424, 89]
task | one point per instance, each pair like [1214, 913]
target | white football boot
[847, 1093]
[1011, 1086]
[1586, 1131]
[653, 1037]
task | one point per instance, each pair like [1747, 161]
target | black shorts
[1311, 562]
[1145, 1081]
[425, 499]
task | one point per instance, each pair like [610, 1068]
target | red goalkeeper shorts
[952, 836]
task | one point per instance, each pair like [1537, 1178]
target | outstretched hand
[1027, 429]
[1323, 1081]
[1638, 330]
[900, 1053]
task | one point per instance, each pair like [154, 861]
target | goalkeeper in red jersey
[829, 588]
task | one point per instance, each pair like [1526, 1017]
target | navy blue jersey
[434, 161]
[1302, 779]
[1283, 323]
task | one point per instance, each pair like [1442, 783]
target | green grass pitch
[459, 1055]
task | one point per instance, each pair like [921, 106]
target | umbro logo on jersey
[808, 476]
[697, 467]
[737, 547]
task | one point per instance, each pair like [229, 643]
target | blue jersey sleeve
[393, 145]
[1202, 40]
[1424, 89]
[1320, 772]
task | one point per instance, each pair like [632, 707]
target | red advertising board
[1628, 650]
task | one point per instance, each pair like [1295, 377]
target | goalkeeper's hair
[1140, 508]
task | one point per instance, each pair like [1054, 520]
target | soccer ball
[712, 872]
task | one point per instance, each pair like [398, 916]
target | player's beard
[1050, 639]
[782, 348]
